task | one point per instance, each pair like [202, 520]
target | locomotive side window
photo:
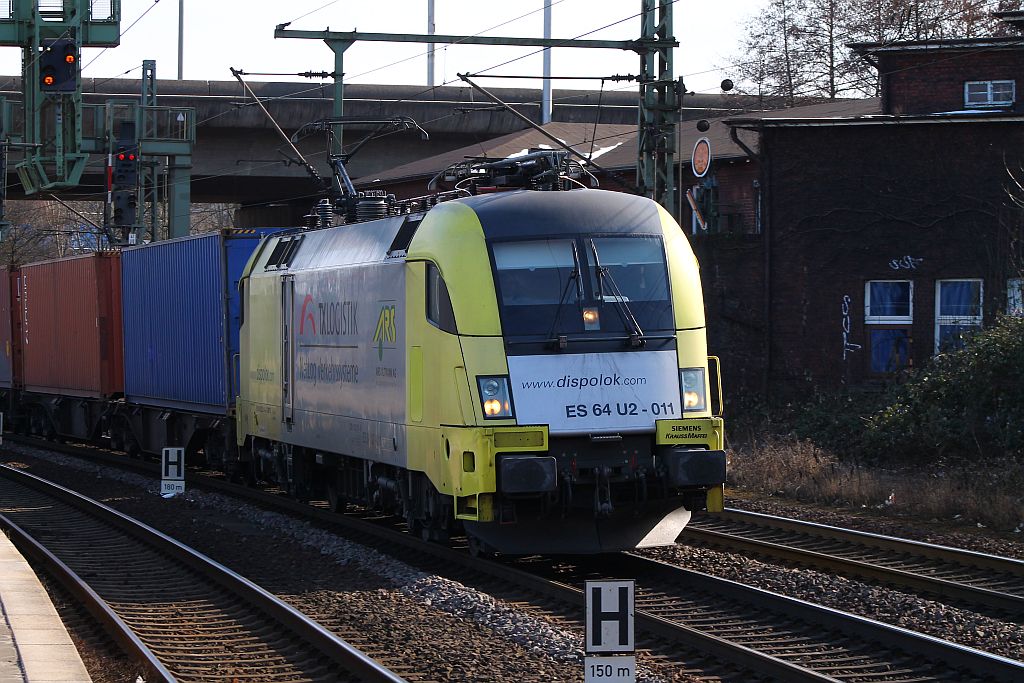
[439, 303]
[889, 316]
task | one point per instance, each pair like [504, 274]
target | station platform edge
[34, 644]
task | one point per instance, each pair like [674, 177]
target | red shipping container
[71, 335]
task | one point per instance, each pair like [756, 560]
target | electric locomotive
[528, 366]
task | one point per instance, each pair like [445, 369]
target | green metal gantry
[659, 102]
[54, 157]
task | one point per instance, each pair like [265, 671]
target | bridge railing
[161, 130]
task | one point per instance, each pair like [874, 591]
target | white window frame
[1015, 296]
[974, 320]
[887, 319]
[989, 102]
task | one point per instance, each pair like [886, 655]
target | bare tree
[41, 229]
[798, 48]
[772, 58]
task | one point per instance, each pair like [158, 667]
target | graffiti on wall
[905, 263]
[848, 346]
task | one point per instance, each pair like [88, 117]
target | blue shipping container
[181, 319]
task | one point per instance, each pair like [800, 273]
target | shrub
[965, 403]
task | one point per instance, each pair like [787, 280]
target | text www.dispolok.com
[571, 382]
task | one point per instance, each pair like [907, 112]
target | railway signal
[58, 67]
[126, 167]
[125, 204]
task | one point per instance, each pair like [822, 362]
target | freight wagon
[138, 346]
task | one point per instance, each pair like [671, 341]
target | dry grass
[990, 495]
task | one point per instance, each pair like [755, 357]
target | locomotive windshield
[602, 284]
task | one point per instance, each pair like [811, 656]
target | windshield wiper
[575, 275]
[636, 335]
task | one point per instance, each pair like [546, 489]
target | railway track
[726, 630]
[186, 617]
[814, 643]
[950, 573]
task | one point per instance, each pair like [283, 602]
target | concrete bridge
[237, 157]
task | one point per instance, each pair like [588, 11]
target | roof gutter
[881, 120]
[734, 136]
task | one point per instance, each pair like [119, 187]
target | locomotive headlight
[495, 397]
[489, 387]
[691, 381]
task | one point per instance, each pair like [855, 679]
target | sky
[219, 34]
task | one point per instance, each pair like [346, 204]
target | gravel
[443, 630]
[953, 533]
[849, 595]
[447, 631]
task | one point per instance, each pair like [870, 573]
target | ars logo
[385, 333]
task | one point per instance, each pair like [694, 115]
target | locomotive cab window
[591, 284]
[439, 303]
[538, 283]
[631, 270]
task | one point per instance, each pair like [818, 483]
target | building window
[1015, 296]
[957, 312]
[889, 349]
[889, 315]
[889, 301]
[988, 93]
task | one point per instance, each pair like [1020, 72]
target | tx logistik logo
[385, 333]
[307, 314]
[336, 318]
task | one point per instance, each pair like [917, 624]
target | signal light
[124, 208]
[58, 63]
[126, 167]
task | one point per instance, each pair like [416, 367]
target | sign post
[609, 632]
[172, 481]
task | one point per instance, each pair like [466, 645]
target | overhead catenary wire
[565, 98]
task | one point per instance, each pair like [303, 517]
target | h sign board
[172, 480]
[610, 616]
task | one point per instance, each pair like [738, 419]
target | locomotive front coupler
[603, 492]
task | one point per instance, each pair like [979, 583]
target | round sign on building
[700, 160]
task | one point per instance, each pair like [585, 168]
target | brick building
[882, 238]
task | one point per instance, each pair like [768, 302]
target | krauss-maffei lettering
[337, 318]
